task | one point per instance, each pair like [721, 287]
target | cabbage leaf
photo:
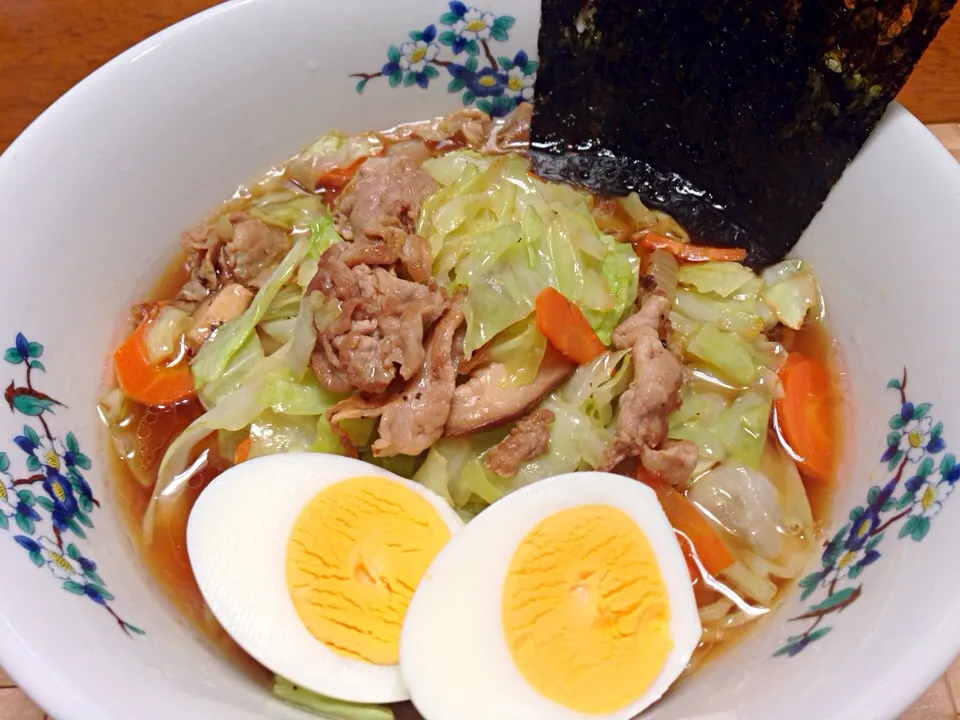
[329, 707]
[505, 236]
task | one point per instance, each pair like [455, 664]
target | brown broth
[166, 557]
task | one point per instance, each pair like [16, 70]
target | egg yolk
[585, 611]
[356, 554]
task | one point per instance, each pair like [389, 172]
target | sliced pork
[654, 393]
[528, 439]
[413, 419]
[380, 329]
[234, 249]
[383, 202]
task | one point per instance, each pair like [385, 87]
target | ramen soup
[377, 360]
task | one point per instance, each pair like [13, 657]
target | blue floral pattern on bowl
[52, 503]
[914, 451]
[462, 47]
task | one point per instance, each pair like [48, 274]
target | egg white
[237, 537]
[453, 652]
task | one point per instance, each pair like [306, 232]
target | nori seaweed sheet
[737, 117]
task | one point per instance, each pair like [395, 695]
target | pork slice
[483, 403]
[414, 420]
[234, 248]
[654, 393]
[203, 249]
[528, 439]
[335, 277]
[414, 150]
[467, 125]
[255, 249]
[380, 329]
[652, 315]
[674, 461]
[386, 192]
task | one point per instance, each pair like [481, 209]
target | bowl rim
[61, 699]
[48, 689]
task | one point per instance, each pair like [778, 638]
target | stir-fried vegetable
[663, 268]
[520, 349]
[686, 519]
[745, 504]
[454, 469]
[742, 427]
[583, 409]
[332, 161]
[146, 381]
[688, 252]
[163, 337]
[273, 396]
[243, 451]
[504, 236]
[647, 219]
[805, 414]
[329, 707]
[722, 278]
[566, 328]
[791, 292]
[215, 354]
[540, 276]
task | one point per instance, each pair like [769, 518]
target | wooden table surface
[47, 46]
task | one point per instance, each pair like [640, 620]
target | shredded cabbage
[594, 387]
[288, 209]
[520, 349]
[454, 470]
[739, 316]
[583, 427]
[722, 278]
[726, 351]
[750, 584]
[163, 335]
[329, 707]
[791, 299]
[274, 432]
[274, 395]
[248, 356]
[504, 236]
[332, 151]
[648, 219]
[742, 427]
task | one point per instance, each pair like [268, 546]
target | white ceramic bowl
[95, 192]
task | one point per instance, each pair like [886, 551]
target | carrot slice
[805, 414]
[565, 326]
[687, 251]
[145, 382]
[243, 451]
[685, 518]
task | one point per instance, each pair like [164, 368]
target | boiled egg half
[309, 561]
[568, 599]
